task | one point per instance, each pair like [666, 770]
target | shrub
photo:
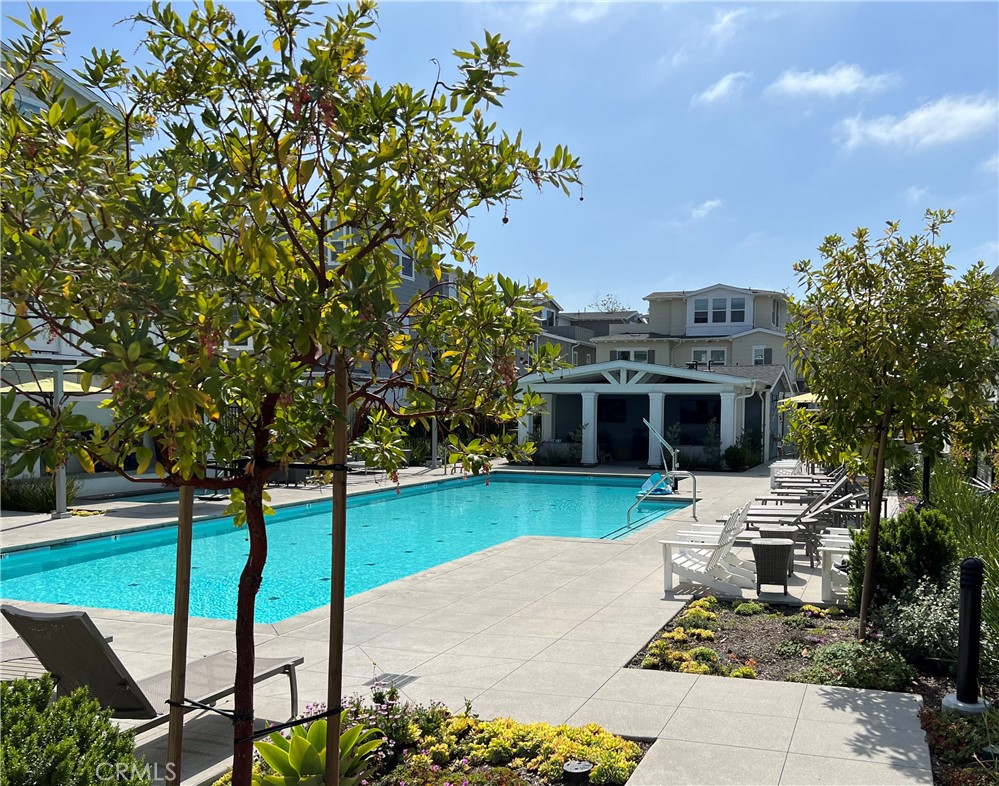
[419, 451]
[975, 519]
[798, 621]
[905, 475]
[701, 633]
[789, 649]
[750, 608]
[70, 741]
[712, 445]
[923, 627]
[852, 664]
[744, 453]
[699, 618]
[914, 545]
[35, 495]
[743, 672]
[703, 655]
[707, 602]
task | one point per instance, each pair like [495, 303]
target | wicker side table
[780, 531]
[771, 556]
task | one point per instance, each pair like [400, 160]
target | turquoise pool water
[389, 536]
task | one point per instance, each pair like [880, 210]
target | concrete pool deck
[539, 629]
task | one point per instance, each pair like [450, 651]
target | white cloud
[838, 80]
[992, 165]
[538, 12]
[698, 42]
[725, 25]
[915, 194]
[704, 209]
[728, 86]
[948, 119]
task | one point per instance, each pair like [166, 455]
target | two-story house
[575, 342]
[723, 325]
[714, 355]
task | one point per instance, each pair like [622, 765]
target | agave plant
[300, 760]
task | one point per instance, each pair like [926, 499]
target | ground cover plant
[391, 742]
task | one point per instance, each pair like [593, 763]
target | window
[406, 267]
[719, 309]
[763, 356]
[622, 354]
[738, 312]
[641, 356]
[775, 314]
[547, 317]
[701, 311]
[704, 355]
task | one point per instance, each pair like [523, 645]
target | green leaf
[278, 759]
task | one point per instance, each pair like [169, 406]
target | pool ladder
[668, 477]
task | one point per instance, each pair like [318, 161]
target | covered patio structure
[608, 402]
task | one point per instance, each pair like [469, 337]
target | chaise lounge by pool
[389, 536]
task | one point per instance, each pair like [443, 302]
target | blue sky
[720, 142]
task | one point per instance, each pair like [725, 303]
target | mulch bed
[776, 644]
[758, 638]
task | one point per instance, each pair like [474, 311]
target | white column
[589, 424]
[656, 399]
[546, 417]
[524, 429]
[726, 428]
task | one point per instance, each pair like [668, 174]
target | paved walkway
[539, 629]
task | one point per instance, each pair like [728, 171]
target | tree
[894, 347]
[607, 303]
[274, 215]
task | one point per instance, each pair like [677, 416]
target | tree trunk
[337, 568]
[249, 584]
[874, 512]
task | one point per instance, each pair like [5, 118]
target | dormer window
[701, 311]
[738, 310]
[406, 269]
[719, 309]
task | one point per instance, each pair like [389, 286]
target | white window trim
[708, 351]
[764, 348]
[402, 268]
[632, 351]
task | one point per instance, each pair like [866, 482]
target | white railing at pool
[668, 478]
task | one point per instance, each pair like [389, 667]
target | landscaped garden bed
[391, 742]
[751, 640]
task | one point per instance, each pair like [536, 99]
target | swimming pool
[389, 536]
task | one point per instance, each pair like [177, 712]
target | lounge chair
[701, 557]
[73, 651]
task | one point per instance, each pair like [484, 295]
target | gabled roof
[72, 84]
[669, 295]
[595, 372]
[549, 302]
[602, 316]
[768, 331]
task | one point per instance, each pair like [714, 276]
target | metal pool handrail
[668, 478]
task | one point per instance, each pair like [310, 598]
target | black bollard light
[969, 640]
